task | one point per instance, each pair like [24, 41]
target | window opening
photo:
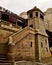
[31, 44]
[31, 15]
[41, 44]
[31, 26]
[41, 16]
[36, 13]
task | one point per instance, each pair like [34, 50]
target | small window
[31, 26]
[41, 16]
[45, 41]
[41, 44]
[20, 23]
[36, 13]
[5, 17]
[31, 15]
[6, 11]
[31, 44]
[47, 49]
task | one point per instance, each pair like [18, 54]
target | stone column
[11, 50]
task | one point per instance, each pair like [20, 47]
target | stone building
[48, 18]
[48, 25]
[36, 21]
[24, 43]
[24, 15]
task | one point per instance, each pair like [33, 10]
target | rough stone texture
[27, 43]
[48, 19]
[24, 51]
[6, 30]
[41, 42]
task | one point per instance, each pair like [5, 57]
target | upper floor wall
[35, 12]
[36, 20]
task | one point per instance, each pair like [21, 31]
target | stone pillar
[11, 50]
[37, 48]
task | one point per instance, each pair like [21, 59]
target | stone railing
[10, 26]
[21, 34]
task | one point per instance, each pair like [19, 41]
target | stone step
[3, 51]
[5, 64]
[3, 59]
[3, 56]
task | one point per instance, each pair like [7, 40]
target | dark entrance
[50, 37]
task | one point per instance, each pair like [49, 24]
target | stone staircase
[3, 58]
[3, 51]
[6, 63]
[21, 34]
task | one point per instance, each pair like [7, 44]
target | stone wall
[25, 48]
[48, 19]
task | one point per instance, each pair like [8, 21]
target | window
[41, 16]
[41, 44]
[47, 49]
[45, 41]
[5, 17]
[6, 11]
[31, 15]
[36, 13]
[19, 23]
[31, 44]
[31, 26]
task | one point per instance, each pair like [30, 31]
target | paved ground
[39, 63]
[32, 63]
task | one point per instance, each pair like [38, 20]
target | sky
[18, 6]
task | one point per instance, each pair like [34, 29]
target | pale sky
[18, 6]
